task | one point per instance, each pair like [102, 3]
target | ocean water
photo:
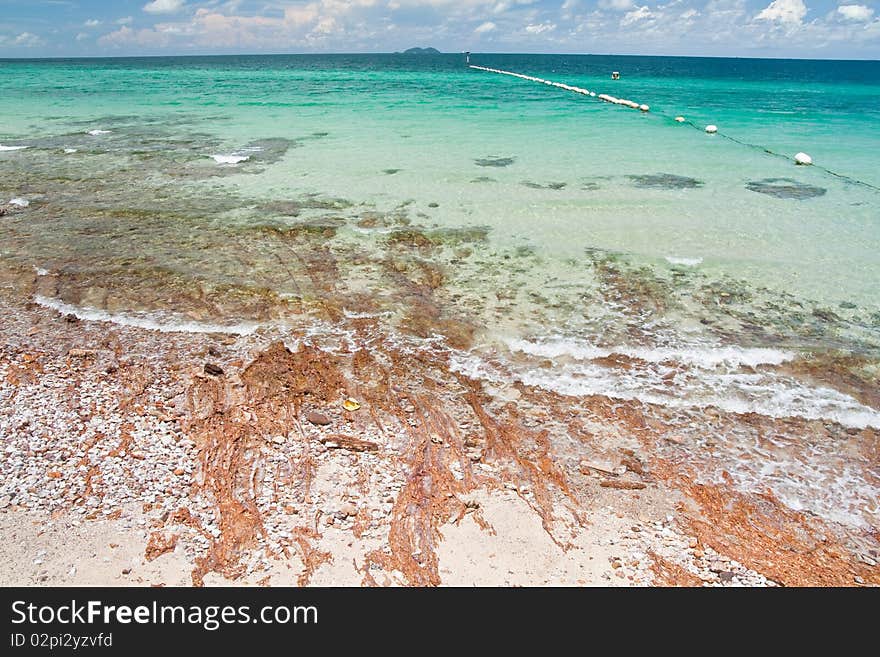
[544, 236]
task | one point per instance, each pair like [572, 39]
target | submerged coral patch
[494, 161]
[550, 185]
[293, 208]
[785, 188]
[665, 181]
[268, 151]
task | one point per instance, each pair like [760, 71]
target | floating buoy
[679, 119]
[644, 107]
[803, 159]
[711, 129]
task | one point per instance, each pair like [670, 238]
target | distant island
[421, 51]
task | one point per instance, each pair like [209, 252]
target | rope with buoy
[800, 159]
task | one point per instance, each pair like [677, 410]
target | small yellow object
[351, 404]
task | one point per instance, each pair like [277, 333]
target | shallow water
[544, 236]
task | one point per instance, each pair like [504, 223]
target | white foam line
[3, 148]
[698, 356]
[151, 323]
[776, 398]
[686, 262]
[623, 102]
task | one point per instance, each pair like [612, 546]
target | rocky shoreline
[138, 457]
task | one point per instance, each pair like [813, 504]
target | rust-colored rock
[622, 484]
[158, 544]
[667, 573]
[318, 419]
[342, 441]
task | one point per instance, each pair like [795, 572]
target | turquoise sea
[539, 235]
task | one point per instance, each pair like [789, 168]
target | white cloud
[303, 25]
[617, 5]
[126, 20]
[27, 39]
[636, 15]
[499, 8]
[690, 13]
[784, 11]
[488, 26]
[163, 6]
[92, 22]
[540, 28]
[855, 12]
[82, 36]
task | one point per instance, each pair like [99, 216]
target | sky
[827, 29]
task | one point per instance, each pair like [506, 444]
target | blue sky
[750, 28]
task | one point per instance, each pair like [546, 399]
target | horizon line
[401, 52]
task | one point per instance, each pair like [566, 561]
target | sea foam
[776, 397]
[152, 321]
[11, 148]
[685, 262]
[98, 133]
[230, 159]
[703, 356]
[731, 378]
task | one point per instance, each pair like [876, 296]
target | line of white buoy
[801, 158]
[623, 102]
